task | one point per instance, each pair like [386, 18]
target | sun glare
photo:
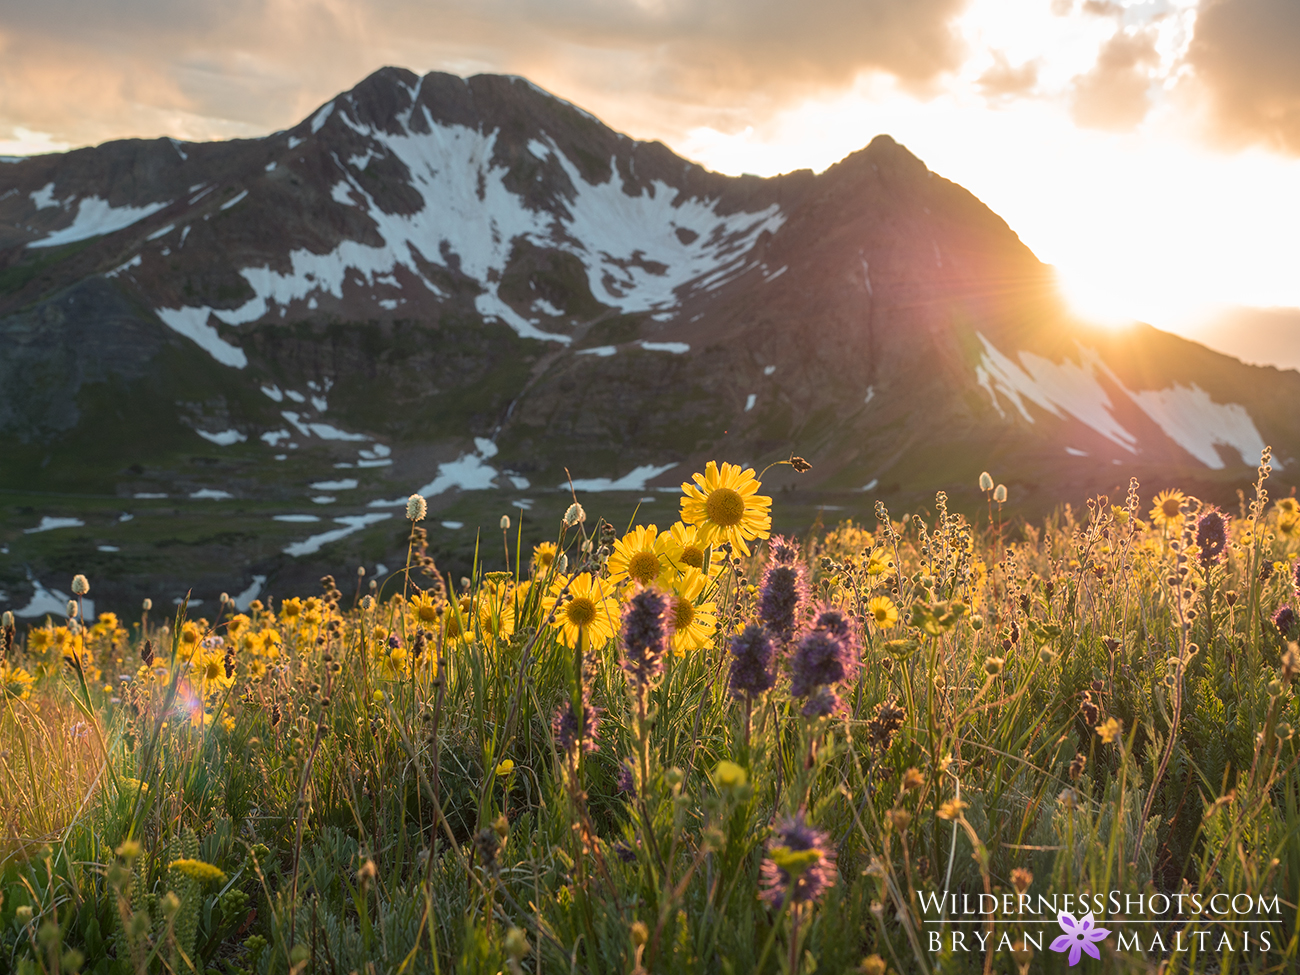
[1095, 300]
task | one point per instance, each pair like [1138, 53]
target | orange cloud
[85, 71]
[1245, 56]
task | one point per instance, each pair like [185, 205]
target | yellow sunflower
[693, 623]
[1168, 509]
[639, 557]
[457, 618]
[879, 562]
[725, 507]
[543, 558]
[425, 609]
[587, 609]
[15, 682]
[686, 549]
[496, 609]
[883, 611]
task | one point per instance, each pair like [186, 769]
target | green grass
[354, 801]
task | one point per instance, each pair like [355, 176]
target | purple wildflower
[644, 635]
[783, 591]
[783, 550]
[1284, 620]
[626, 783]
[796, 836]
[823, 703]
[394, 642]
[1079, 937]
[821, 658]
[573, 731]
[1211, 536]
[751, 662]
[625, 852]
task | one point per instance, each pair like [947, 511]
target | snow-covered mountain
[459, 286]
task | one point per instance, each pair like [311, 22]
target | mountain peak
[454, 286]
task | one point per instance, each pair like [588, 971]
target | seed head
[986, 482]
[416, 508]
[72, 609]
[80, 585]
[361, 571]
[147, 604]
[1000, 494]
[7, 620]
[505, 523]
[574, 515]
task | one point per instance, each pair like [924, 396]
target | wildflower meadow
[933, 743]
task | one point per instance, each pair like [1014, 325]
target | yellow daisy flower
[425, 609]
[496, 609]
[15, 682]
[639, 557]
[458, 618]
[1287, 508]
[883, 611]
[686, 548]
[725, 506]
[291, 609]
[693, 623]
[879, 562]
[588, 609]
[544, 557]
[1168, 508]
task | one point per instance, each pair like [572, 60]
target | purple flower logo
[1080, 936]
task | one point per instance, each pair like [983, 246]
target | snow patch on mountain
[632, 246]
[350, 523]
[1187, 416]
[635, 258]
[223, 439]
[193, 324]
[1068, 387]
[94, 218]
[1197, 424]
[635, 480]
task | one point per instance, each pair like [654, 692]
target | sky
[1148, 149]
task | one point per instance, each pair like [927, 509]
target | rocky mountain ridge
[476, 290]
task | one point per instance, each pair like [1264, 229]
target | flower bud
[640, 933]
[416, 507]
[7, 620]
[72, 608]
[80, 585]
[1000, 493]
[361, 571]
[574, 515]
[986, 482]
[147, 604]
[516, 943]
[505, 523]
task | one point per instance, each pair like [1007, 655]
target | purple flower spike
[1080, 937]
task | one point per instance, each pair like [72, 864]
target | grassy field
[928, 744]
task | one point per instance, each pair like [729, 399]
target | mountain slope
[474, 289]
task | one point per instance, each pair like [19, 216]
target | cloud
[1002, 81]
[1244, 54]
[1114, 94]
[84, 70]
